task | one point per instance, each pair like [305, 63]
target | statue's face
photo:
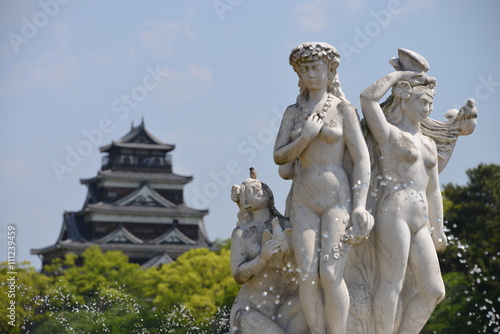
[420, 104]
[314, 74]
[255, 195]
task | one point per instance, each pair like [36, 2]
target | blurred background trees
[107, 294]
[471, 263]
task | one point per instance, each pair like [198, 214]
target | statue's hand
[439, 239]
[362, 224]
[416, 79]
[270, 248]
[312, 126]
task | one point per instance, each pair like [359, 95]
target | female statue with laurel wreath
[327, 201]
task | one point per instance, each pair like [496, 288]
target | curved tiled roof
[128, 141]
[139, 176]
[180, 209]
[145, 247]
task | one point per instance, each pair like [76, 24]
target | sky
[211, 77]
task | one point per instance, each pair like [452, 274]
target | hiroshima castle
[135, 204]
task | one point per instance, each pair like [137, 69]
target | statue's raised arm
[408, 150]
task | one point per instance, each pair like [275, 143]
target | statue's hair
[312, 51]
[245, 213]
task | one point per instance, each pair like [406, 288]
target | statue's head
[252, 195]
[317, 53]
[417, 100]
[313, 51]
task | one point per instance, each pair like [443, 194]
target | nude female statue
[315, 134]
[262, 261]
[409, 214]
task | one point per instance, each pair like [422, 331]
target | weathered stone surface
[358, 253]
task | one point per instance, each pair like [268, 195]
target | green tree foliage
[199, 280]
[471, 263]
[27, 289]
[100, 296]
[107, 294]
[101, 273]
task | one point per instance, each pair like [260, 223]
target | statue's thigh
[252, 321]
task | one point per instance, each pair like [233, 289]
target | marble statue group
[356, 248]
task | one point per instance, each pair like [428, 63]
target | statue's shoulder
[347, 110]
[346, 107]
[292, 109]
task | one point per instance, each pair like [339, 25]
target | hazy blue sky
[213, 78]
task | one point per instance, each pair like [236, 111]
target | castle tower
[134, 204]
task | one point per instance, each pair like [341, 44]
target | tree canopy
[107, 294]
[471, 263]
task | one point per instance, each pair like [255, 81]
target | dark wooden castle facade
[134, 204]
